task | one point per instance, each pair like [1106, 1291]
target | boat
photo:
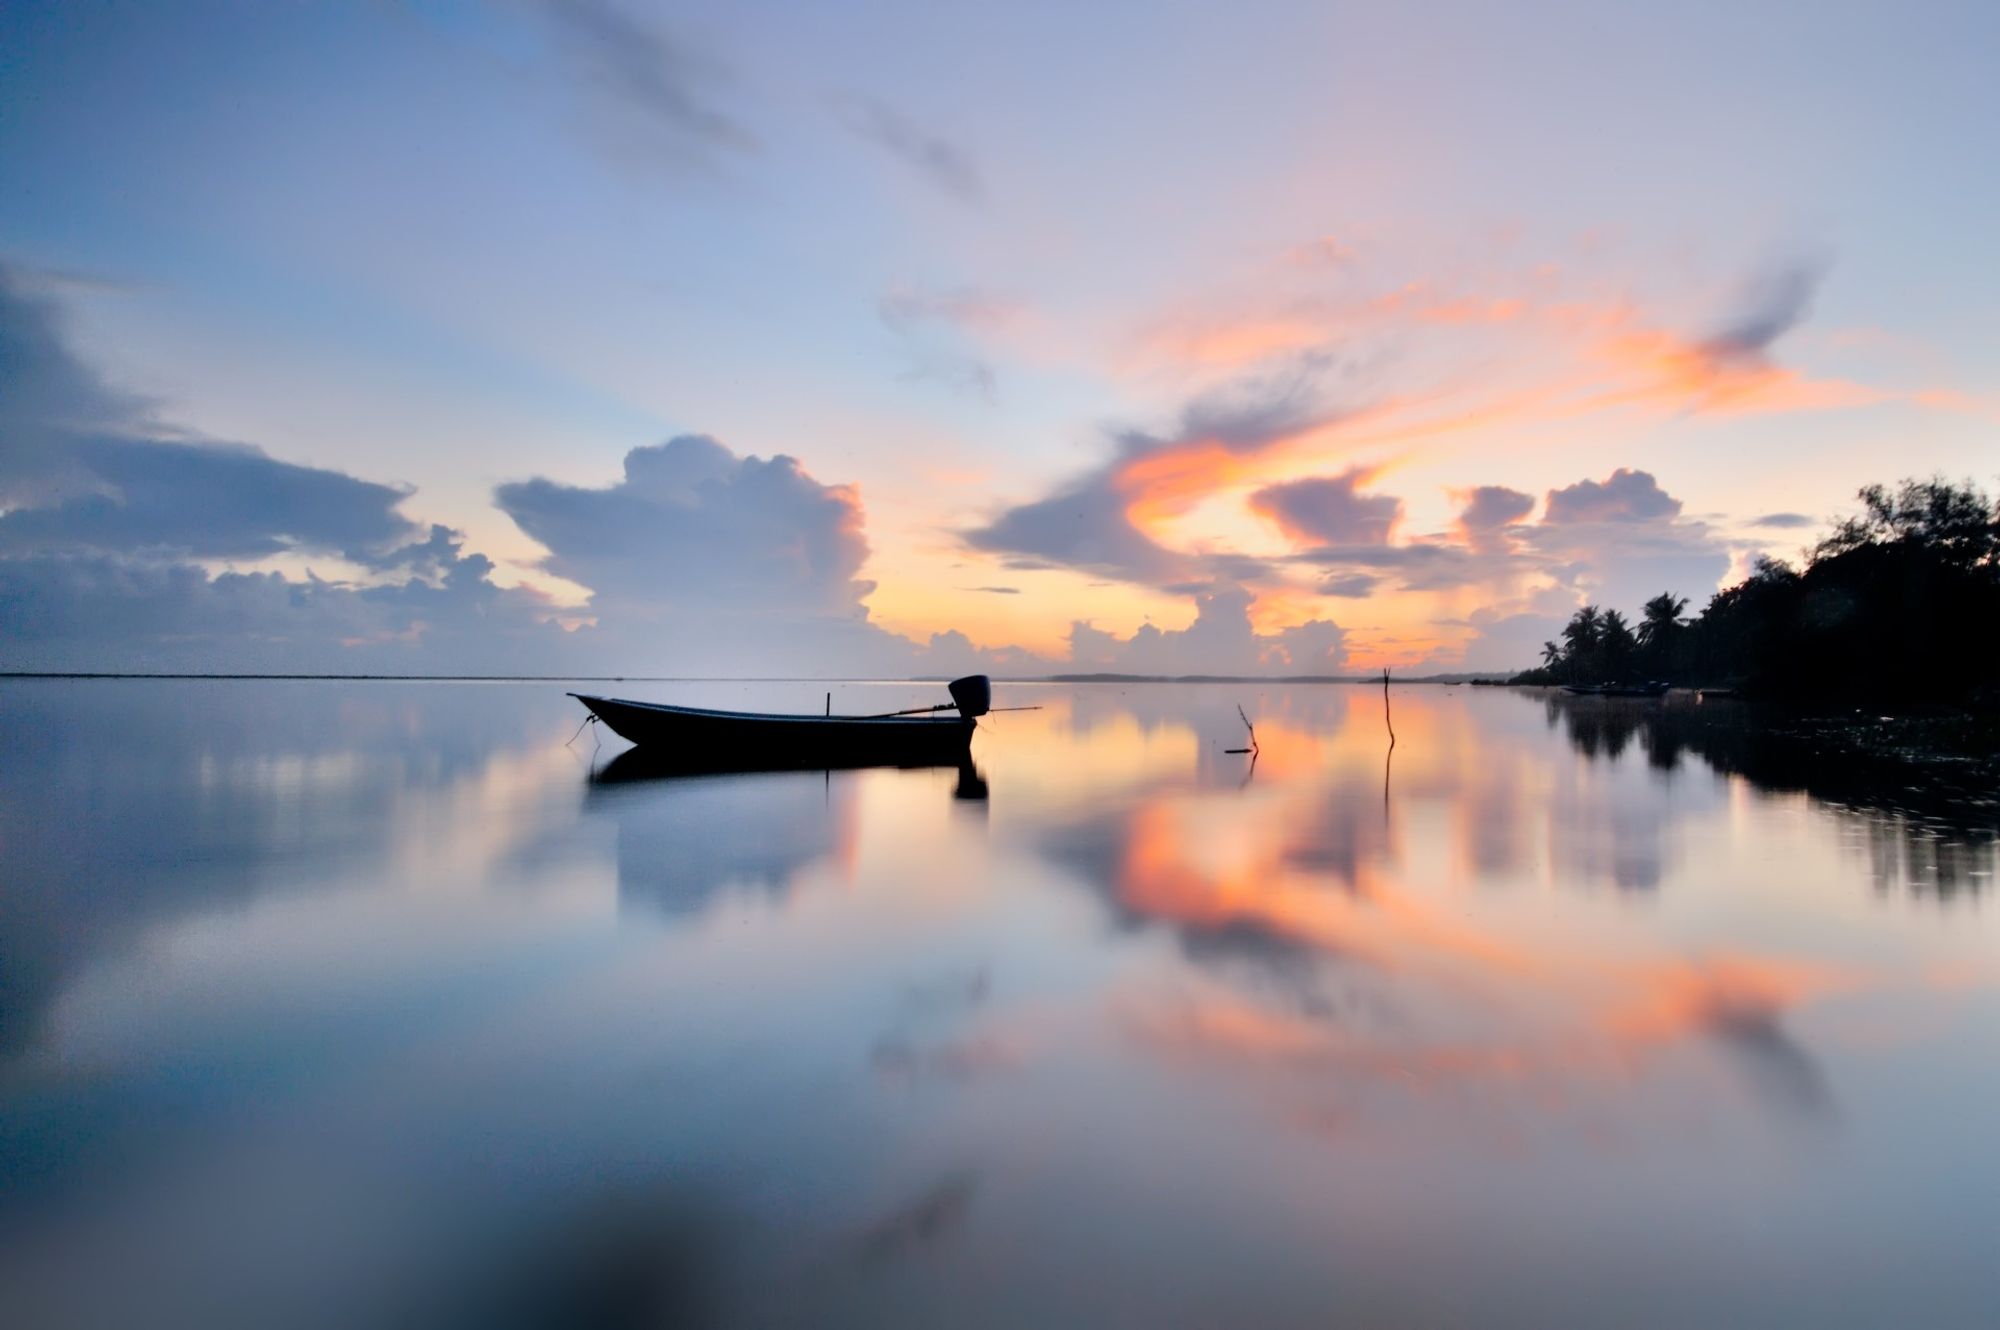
[1652, 689]
[698, 736]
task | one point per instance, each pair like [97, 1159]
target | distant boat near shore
[1654, 688]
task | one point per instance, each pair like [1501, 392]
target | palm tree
[1661, 620]
[1616, 645]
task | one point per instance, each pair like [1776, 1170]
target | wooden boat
[698, 736]
[1654, 689]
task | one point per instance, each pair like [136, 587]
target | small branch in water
[1252, 749]
[1387, 719]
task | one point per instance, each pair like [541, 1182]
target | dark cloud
[1784, 521]
[47, 397]
[208, 501]
[90, 611]
[1426, 565]
[78, 472]
[644, 76]
[1491, 506]
[1252, 413]
[1084, 523]
[1772, 304]
[103, 522]
[936, 160]
[1354, 586]
[1330, 510]
[692, 525]
[995, 590]
[1626, 496]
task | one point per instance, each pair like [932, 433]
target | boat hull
[697, 737]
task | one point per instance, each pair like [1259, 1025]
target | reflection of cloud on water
[928, 1218]
[1581, 1025]
[683, 840]
[149, 799]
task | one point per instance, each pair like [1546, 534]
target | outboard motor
[973, 695]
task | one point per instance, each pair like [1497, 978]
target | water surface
[350, 1004]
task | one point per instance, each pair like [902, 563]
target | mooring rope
[588, 721]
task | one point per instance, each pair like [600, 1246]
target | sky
[600, 336]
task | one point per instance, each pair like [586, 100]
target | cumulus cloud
[1221, 640]
[936, 160]
[1491, 507]
[1622, 540]
[1330, 510]
[692, 525]
[1625, 496]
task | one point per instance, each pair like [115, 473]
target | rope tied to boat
[588, 721]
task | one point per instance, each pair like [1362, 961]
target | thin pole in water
[1387, 719]
[829, 704]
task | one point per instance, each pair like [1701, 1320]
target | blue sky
[1020, 289]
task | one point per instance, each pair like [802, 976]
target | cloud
[1419, 565]
[939, 332]
[1082, 525]
[208, 501]
[692, 525]
[1774, 303]
[937, 161]
[1097, 522]
[1354, 586]
[995, 590]
[104, 522]
[1219, 641]
[1626, 496]
[646, 79]
[1329, 510]
[1622, 540]
[1784, 521]
[1490, 507]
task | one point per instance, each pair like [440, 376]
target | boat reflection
[690, 833]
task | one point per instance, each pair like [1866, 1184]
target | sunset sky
[1269, 337]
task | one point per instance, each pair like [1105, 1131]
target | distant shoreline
[1439, 679]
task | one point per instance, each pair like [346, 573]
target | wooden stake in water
[1252, 749]
[1387, 719]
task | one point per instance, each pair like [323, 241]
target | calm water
[336, 1004]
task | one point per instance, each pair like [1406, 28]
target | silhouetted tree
[1580, 645]
[1900, 600]
[1660, 632]
[1617, 648]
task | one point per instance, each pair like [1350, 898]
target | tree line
[1899, 600]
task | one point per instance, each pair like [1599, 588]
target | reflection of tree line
[1923, 823]
[1900, 601]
